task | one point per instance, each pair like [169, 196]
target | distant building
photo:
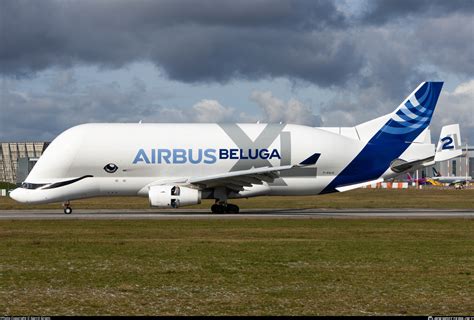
[18, 158]
[455, 167]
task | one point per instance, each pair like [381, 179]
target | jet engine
[169, 196]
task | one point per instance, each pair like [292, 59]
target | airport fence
[388, 185]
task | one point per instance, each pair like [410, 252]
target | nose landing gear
[67, 207]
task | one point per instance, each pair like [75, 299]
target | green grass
[360, 198]
[250, 267]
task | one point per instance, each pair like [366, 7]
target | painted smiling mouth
[68, 182]
[45, 186]
[111, 168]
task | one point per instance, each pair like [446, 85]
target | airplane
[450, 180]
[177, 165]
[433, 182]
[423, 181]
[448, 147]
[420, 181]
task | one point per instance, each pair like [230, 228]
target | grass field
[360, 198]
[250, 267]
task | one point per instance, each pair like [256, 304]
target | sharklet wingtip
[310, 160]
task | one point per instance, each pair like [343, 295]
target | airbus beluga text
[179, 164]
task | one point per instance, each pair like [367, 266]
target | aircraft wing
[357, 185]
[237, 180]
[458, 181]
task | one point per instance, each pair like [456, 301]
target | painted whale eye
[110, 168]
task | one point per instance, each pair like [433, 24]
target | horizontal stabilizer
[401, 165]
[357, 185]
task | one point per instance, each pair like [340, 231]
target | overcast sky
[317, 63]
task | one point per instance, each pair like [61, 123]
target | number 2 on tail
[447, 143]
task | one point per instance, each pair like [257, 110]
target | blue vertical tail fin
[387, 137]
[408, 120]
[413, 115]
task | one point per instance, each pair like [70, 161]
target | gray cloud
[212, 41]
[399, 57]
[219, 41]
[383, 11]
[371, 60]
[42, 116]
[205, 111]
[456, 106]
[448, 42]
[276, 110]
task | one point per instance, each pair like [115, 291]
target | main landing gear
[224, 208]
[67, 207]
[221, 205]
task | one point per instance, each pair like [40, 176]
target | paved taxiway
[151, 214]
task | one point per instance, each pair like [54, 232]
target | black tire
[217, 208]
[232, 208]
[68, 210]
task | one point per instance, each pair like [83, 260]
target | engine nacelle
[169, 196]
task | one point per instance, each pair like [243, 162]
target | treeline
[7, 185]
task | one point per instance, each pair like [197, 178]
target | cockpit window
[26, 185]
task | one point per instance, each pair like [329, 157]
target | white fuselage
[452, 179]
[140, 151]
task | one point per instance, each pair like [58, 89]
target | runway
[202, 214]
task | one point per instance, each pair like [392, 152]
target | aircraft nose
[18, 195]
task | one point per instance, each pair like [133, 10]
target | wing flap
[238, 180]
[257, 173]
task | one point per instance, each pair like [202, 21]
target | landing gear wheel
[67, 210]
[217, 208]
[232, 208]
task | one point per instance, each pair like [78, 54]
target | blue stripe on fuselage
[370, 164]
